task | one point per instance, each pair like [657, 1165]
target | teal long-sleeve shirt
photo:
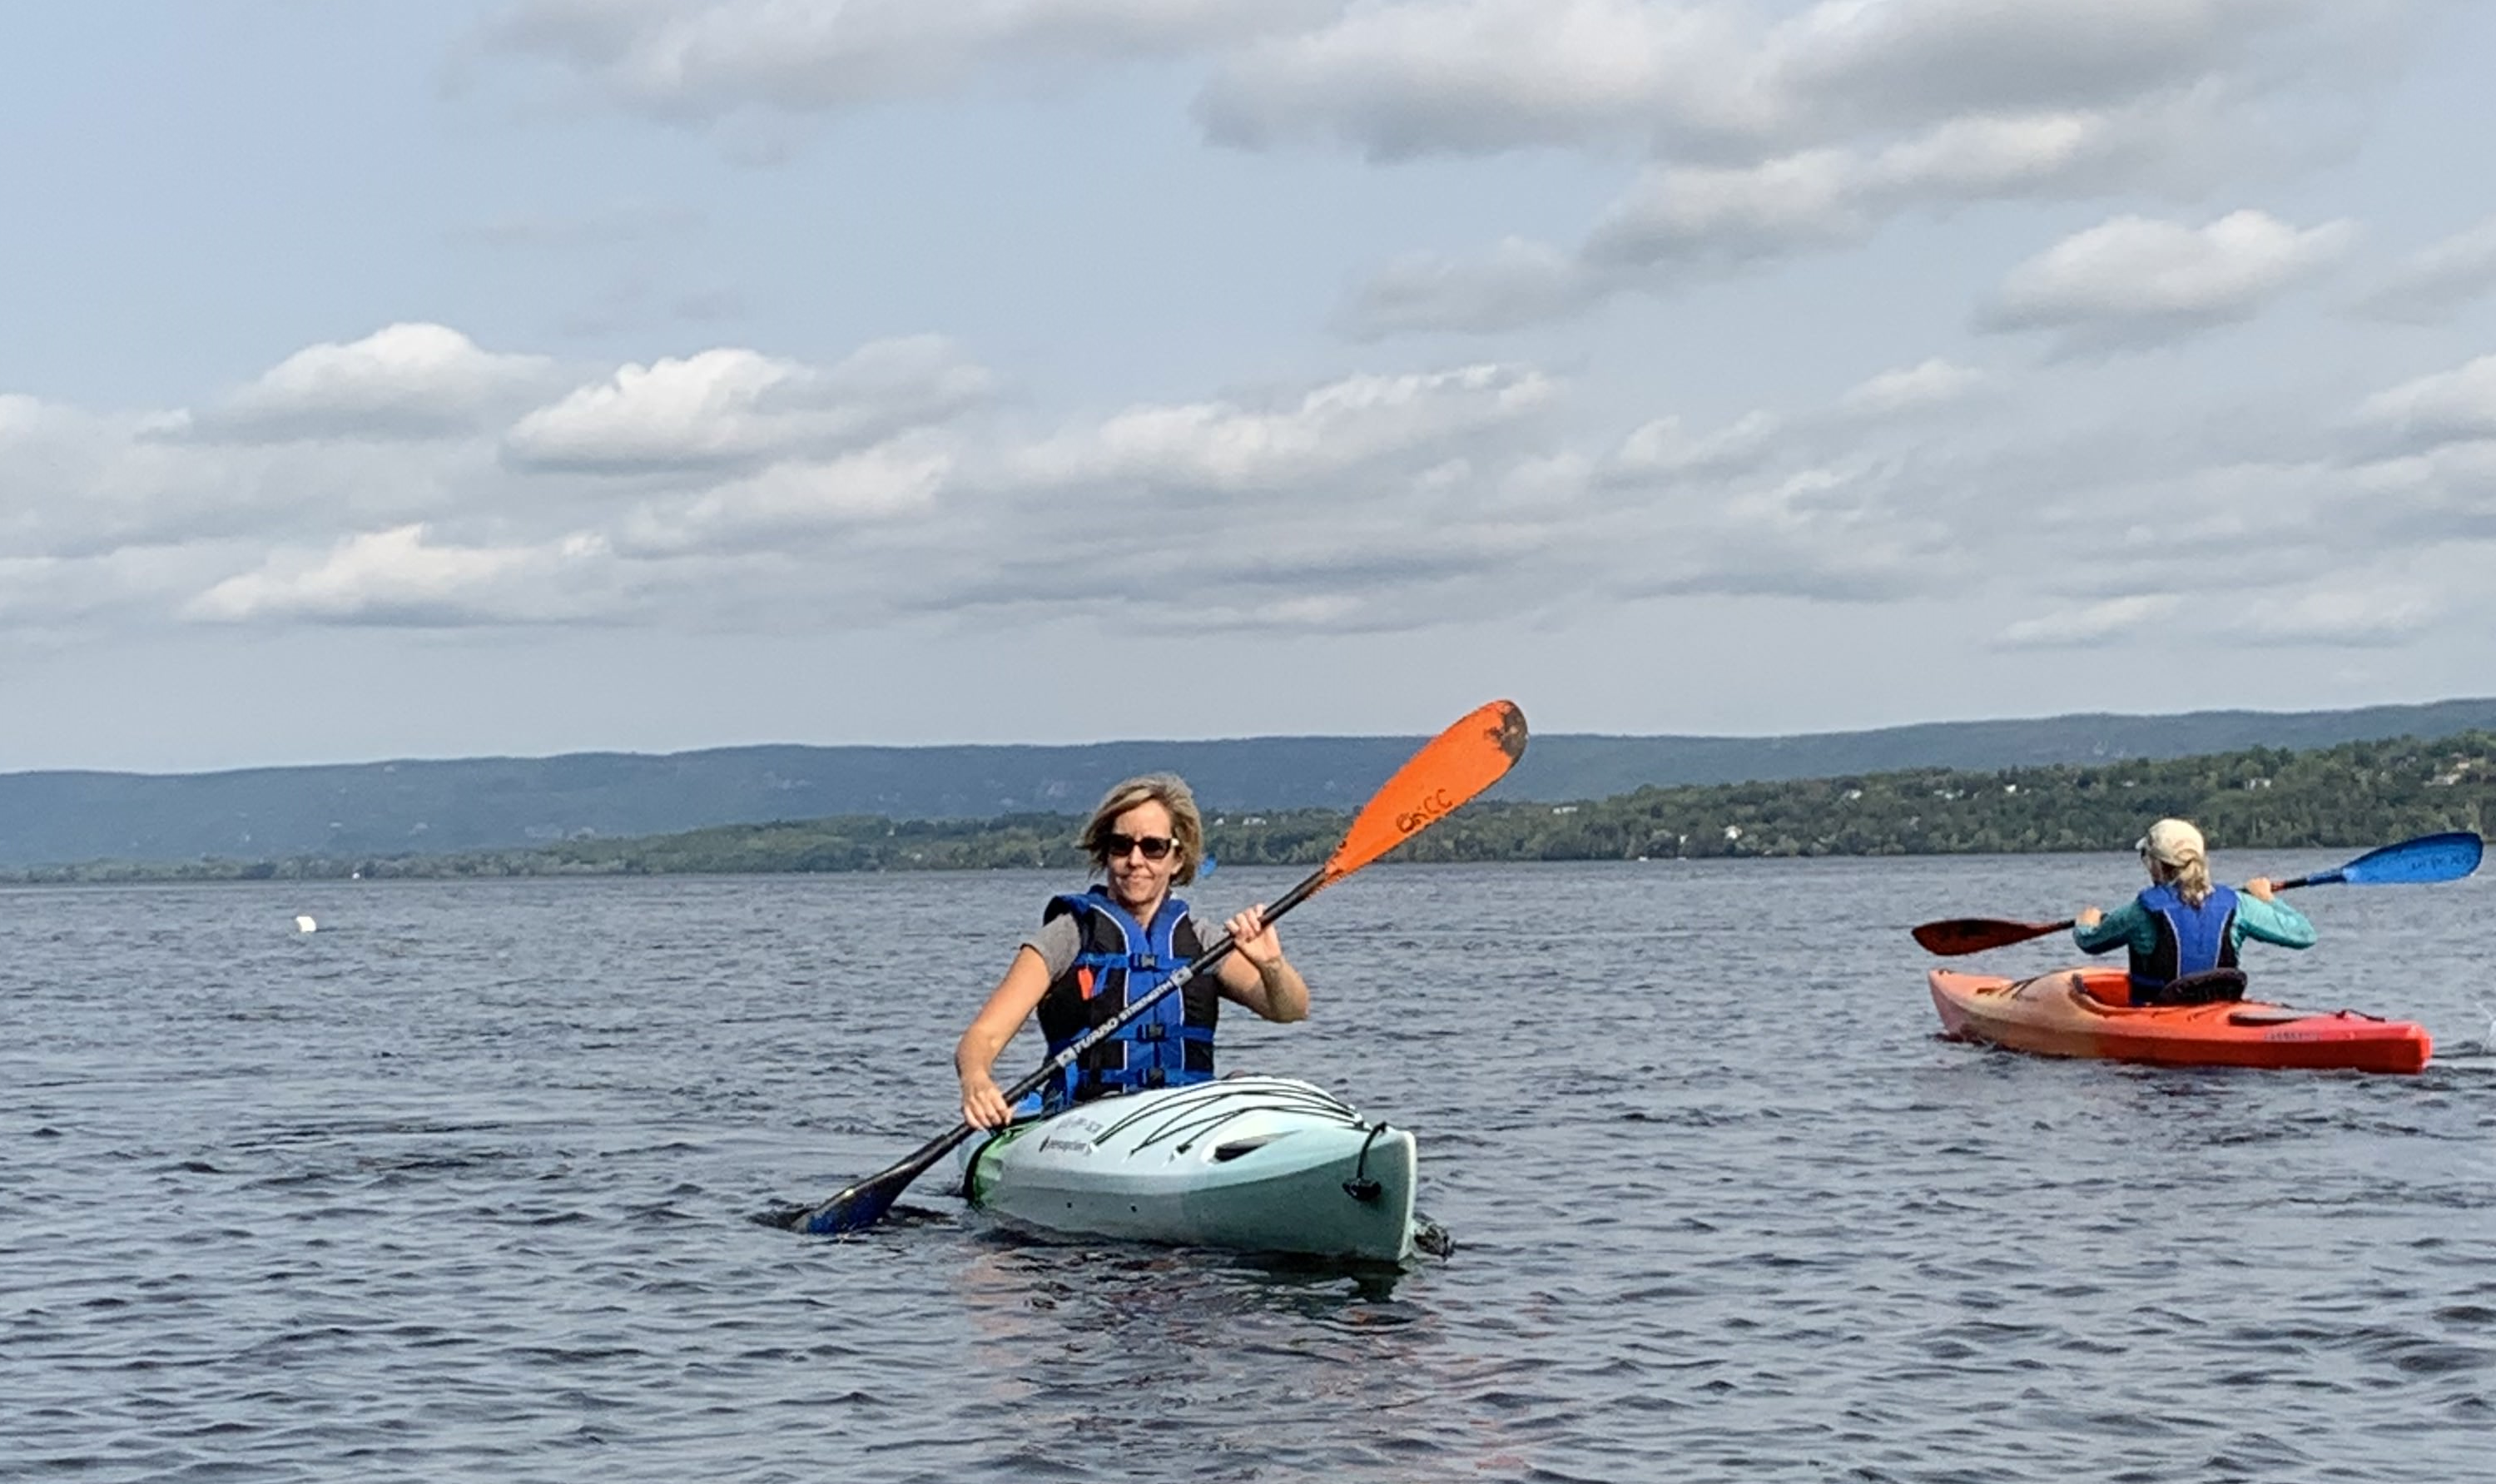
[2129, 926]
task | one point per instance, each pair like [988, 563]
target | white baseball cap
[2170, 843]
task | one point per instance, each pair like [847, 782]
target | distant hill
[395, 808]
[2357, 794]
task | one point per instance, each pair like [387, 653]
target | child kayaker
[2182, 925]
[1098, 950]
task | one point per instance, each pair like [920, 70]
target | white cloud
[1774, 138]
[48, 456]
[1681, 77]
[79, 484]
[700, 410]
[1393, 78]
[2134, 279]
[732, 406]
[1372, 501]
[1934, 383]
[1479, 76]
[792, 501]
[1520, 283]
[1679, 220]
[21, 417]
[2134, 616]
[401, 382]
[1227, 446]
[1395, 553]
[713, 57]
[2372, 615]
[1663, 448]
[1991, 156]
[792, 494]
[2441, 499]
[1819, 537]
[1771, 129]
[1687, 214]
[2434, 282]
[1837, 196]
[2447, 407]
[401, 577]
[1921, 57]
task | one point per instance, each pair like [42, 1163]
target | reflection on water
[463, 1186]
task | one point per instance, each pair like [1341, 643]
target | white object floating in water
[305, 925]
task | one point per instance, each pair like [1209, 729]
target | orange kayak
[2086, 1012]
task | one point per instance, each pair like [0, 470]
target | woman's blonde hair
[1172, 792]
[2173, 848]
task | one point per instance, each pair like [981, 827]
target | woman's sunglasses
[1154, 846]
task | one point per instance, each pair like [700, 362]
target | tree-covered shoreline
[2354, 795]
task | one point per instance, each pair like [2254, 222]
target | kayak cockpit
[2112, 988]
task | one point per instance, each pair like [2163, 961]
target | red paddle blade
[1954, 936]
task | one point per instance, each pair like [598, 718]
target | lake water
[460, 1185]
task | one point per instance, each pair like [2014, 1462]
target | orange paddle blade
[1458, 763]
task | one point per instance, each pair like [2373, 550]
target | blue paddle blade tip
[852, 1210]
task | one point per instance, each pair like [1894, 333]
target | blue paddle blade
[854, 1209]
[2446, 858]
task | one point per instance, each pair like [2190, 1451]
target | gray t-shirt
[1058, 940]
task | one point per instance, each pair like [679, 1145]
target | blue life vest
[1118, 961]
[2191, 940]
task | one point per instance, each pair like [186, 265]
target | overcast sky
[438, 379]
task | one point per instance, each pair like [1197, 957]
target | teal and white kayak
[1262, 1165]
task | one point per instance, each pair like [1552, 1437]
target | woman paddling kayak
[1098, 949]
[2183, 926]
